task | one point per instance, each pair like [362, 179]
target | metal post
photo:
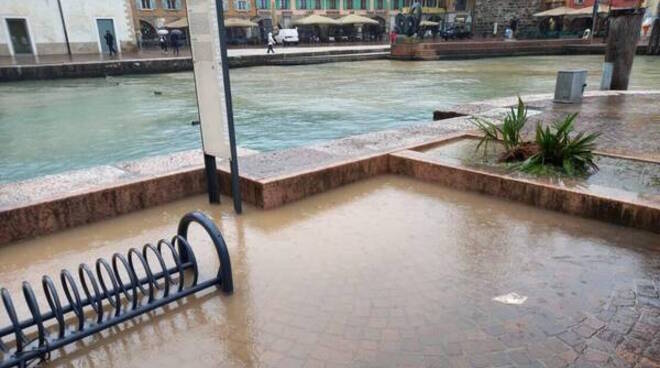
[594, 20]
[66, 34]
[235, 185]
[212, 184]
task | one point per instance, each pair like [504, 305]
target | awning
[315, 19]
[428, 23]
[589, 11]
[239, 23]
[356, 19]
[179, 23]
[555, 12]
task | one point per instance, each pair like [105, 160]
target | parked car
[287, 36]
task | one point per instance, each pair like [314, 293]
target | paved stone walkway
[627, 120]
[388, 272]
[185, 53]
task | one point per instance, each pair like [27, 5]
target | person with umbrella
[174, 41]
[271, 42]
[163, 39]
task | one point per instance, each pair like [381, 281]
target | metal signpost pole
[211, 71]
[235, 185]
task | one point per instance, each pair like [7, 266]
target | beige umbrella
[315, 19]
[238, 23]
[556, 12]
[589, 11]
[428, 23]
[356, 19]
[179, 23]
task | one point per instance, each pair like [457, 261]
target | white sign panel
[209, 82]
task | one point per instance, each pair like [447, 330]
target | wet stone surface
[389, 272]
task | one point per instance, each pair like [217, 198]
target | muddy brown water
[375, 273]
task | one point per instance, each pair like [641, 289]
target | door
[104, 25]
[20, 37]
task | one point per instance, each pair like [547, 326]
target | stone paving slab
[627, 120]
[389, 272]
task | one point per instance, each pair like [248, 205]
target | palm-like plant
[509, 133]
[572, 155]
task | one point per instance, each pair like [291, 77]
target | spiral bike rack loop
[108, 294]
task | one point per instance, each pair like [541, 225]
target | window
[172, 4]
[303, 4]
[349, 4]
[241, 5]
[262, 4]
[380, 4]
[363, 4]
[283, 4]
[145, 4]
[317, 4]
[332, 4]
[460, 5]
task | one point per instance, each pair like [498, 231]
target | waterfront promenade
[184, 54]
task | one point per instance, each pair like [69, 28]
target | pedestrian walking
[163, 44]
[393, 37]
[174, 42]
[110, 41]
[514, 26]
[271, 42]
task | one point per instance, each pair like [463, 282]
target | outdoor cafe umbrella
[428, 23]
[176, 32]
[556, 12]
[162, 32]
[315, 19]
[588, 11]
[239, 23]
[356, 19]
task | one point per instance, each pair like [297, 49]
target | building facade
[495, 15]
[48, 27]
[150, 15]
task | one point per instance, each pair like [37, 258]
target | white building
[46, 27]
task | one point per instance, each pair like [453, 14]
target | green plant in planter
[552, 151]
[558, 151]
[509, 133]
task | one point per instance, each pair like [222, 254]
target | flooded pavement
[49, 127]
[410, 284]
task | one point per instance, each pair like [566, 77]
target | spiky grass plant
[559, 152]
[509, 133]
[555, 150]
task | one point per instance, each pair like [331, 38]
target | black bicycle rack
[108, 303]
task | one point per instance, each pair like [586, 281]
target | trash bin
[570, 86]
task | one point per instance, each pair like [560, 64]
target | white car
[287, 36]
